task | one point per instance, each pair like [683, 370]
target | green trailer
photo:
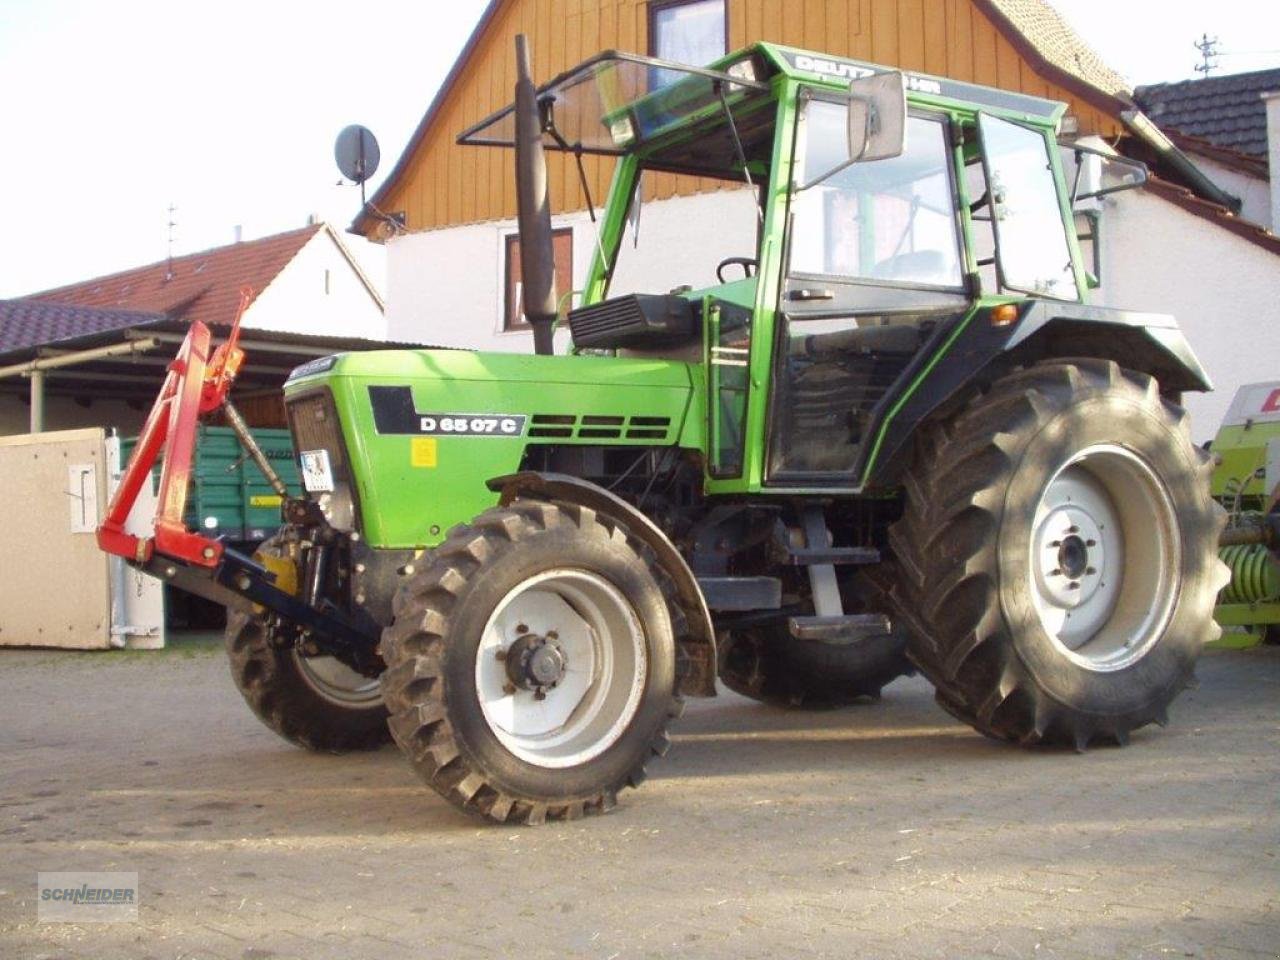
[229, 496]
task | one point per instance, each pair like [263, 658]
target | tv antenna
[1208, 48]
[168, 273]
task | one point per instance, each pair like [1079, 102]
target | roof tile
[1059, 44]
[1227, 111]
[201, 286]
[34, 323]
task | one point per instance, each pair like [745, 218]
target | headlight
[338, 508]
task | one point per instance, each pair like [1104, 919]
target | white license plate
[317, 474]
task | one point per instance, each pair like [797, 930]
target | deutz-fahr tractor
[854, 418]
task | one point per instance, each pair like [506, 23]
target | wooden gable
[440, 184]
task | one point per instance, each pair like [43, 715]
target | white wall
[296, 301]
[445, 287]
[1223, 289]
[1254, 192]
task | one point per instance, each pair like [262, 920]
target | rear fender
[981, 352]
[698, 645]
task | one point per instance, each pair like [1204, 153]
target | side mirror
[1099, 174]
[877, 117]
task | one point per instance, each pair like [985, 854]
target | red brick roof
[201, 286]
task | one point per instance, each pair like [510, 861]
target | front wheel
[1059, 555]
[314, 702]
[531, 663]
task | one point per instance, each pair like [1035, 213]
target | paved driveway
[881, 831]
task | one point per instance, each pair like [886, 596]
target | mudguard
[963, 355]
[698, 645]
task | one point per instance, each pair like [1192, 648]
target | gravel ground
[886, 830]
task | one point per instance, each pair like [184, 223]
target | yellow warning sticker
[264, 500]
[422, 451]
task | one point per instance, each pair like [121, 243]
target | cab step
[840, 556]
[840, 631]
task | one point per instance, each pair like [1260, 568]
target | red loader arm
[196, 384]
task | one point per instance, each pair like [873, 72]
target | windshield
[890, 220]
[613, 102]
[689, 243]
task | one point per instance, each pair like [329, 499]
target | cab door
[875, 265]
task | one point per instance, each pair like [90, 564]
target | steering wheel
[748, 265]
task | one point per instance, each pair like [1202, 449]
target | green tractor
[864, 423]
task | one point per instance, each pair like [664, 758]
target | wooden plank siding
[446, 185]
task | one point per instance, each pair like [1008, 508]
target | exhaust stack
[533, 206]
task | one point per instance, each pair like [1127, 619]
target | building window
[562, 243]
[688, 31]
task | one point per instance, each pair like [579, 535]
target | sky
[112, 111]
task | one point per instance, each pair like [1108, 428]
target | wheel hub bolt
[535, 663]
[1073, 556]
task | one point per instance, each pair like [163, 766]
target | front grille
[598, 427]
[313, 419]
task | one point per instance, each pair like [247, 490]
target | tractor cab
[845, 221]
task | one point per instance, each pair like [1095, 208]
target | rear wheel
[1058, 554]
[531, 663]
[315, 702]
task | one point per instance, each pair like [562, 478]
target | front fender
[698, 645]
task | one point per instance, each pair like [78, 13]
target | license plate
[317, 474]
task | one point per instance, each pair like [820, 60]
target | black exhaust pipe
[533, 208]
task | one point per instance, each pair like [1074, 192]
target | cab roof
[614, 101]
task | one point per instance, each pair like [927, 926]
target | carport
[70, 357]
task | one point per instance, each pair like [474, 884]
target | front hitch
[197, 384]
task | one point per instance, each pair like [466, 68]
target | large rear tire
[531, 663]
[1058, 551]
[314, 702]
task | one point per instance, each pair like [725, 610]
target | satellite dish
[356, 151]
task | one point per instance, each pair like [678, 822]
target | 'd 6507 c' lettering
[469, 425]
[394, 412]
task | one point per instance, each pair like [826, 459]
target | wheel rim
[1105, 558]
[561, 668]
[336, 682]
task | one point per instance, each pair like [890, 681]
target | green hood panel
[506, 367]
[416, 475]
